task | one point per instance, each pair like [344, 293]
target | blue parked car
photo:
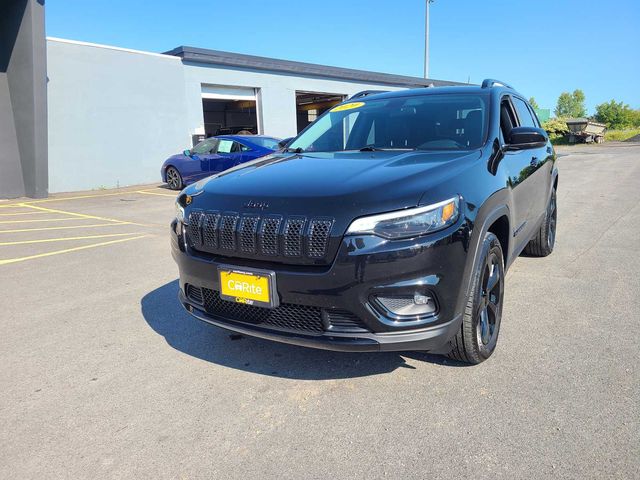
[214, 155]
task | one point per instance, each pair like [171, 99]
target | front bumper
[364, 266]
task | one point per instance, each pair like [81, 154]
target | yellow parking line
[77, 197]
[64, 228]
[20, 213]
[68, 250]
[41, 220]
[156, 193]
[63, 239]
[64, 212]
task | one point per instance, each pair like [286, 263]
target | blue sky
[542, 47]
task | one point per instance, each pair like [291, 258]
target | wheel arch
[501, 229]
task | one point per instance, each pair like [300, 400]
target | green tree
[533, 103]
[615, 115]
[571, 105]
[635, 118]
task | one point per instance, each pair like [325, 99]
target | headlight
[179, 212]
[408, 223]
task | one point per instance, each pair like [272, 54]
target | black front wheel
[478, 335]
[174, 179]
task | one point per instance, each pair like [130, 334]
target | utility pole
[426, 39]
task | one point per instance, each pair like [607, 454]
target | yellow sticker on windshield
[347, 106]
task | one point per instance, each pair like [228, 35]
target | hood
[326, 183]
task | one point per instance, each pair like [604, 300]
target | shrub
[556, 128]
[620, 135]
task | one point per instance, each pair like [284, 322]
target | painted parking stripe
[16, 214]
[64, 239]
[64, 228]
[42, 220]
[68, 250]
[76, 197]
[145, 192]
[60, 199]
[81, 215]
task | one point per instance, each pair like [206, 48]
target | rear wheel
[544, 240]
[174, 179]
[478, 335]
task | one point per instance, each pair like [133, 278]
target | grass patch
[620, 135]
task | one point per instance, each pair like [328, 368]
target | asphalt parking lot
[104, 376]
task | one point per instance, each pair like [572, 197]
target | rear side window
[526, 119]
[225, 146]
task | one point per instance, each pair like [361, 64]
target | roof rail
[366, 93]
[490, 82]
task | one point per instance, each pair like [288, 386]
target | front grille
[287, 316]
[228, 232]
[298, 239]
[248, 230]
[343, 321]
[195, 231]
[210, 229]
[293, 236]
[194, 293]
[318, 236]
[269, 235]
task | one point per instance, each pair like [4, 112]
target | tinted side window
[526, 120]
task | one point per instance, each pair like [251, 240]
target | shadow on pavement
[165, 315]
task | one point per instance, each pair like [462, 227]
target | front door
[519, 165]
[227, 155]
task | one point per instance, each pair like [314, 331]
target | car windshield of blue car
[420, 122]
[206, 146]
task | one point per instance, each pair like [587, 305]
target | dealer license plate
[248, 286]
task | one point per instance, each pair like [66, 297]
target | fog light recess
[418, 304]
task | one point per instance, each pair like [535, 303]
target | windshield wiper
[294, 150]
[371, 148]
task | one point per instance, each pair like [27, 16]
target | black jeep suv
[387, 224]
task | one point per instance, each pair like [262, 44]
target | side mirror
[186, 153]
[522, 138]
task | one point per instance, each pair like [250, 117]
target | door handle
[534, 161]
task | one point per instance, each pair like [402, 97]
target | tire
[174, 179]
[544, 240]
[478, 335]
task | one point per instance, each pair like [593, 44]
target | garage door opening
[229, 110]
[224, 117]
[310, 105]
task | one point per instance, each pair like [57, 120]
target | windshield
[206, 146]
[265, 142]
[424, 122]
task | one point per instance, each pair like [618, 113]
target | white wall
[114, 115]
[278, 104]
